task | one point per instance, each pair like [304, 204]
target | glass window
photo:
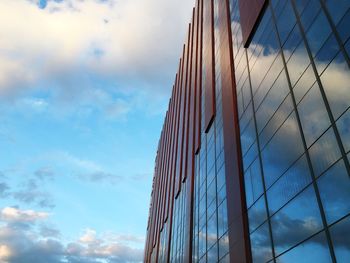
[301, 4]
[290, 184]
[285, 21]
[297, 63]
[211, 192]
[213, 254]
[340, 233]
[318, 33]
[343, 27]
[284, 148]
[248, 136]
[313, 250]
[261, 244]
[304, 83]
[257, 214]
[212, 231]
[324, 152]
[293, 41]
[250, 155]
[308, 13]
[246, 117]
[202, 242]
[222, 218]
[220, 179]
[276, 121]
[223, 245]
[297, 221]
[326, 53]
[272, 101]
[269, 80]
[337, 9]
[334, 187]
[248, 188]
[257, 184]
[313, 115]
[343, 125]
[225, 259]
[347, 45]
[336, 84]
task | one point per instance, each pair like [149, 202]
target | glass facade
[278, 189]
[210, 235]
[293, 88]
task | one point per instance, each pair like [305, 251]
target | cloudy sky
[84, 85]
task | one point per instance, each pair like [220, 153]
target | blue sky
[84, 86]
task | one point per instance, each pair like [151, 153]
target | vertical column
[251, 12]
[236, 206]
[189, 95]
[198, 76]
[183, 108]
[191, 137]
[208, 63]
[178, 92]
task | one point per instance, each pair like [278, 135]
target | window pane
[290, 184]
[337, 9]
[304, 84]
[257, 184]
[222, 218]
[334, 187]
[261, 244]
[343, 125]
[276, 121]
[324, 152]
[336, 83]
[313, 250]
[313, 115]
[280, 153]
[257, 214]
[340, 233]
[318, 33]
[223, 245]
[272, 101]
[286, 21]
[295, 222]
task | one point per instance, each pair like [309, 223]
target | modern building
[253, 163]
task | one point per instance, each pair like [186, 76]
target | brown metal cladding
[188, 103]
[159, 188]
[199, 76]
[250, 15]
[180, 122]
[156, 211]
[155, 201]
[183, 110]
[165, 164]
[191, 137]
[236, 205]
[174, 157]
[208, 62]
[172, 146]
[167, 170]
[163, 174]
[149, 225]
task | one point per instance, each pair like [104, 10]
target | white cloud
[61, 43]
[88, 237]
[12, 214]
[5, 253]
[25, 244]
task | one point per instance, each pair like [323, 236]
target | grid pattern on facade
[293, 101]
[210, 210]
[254, 166]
